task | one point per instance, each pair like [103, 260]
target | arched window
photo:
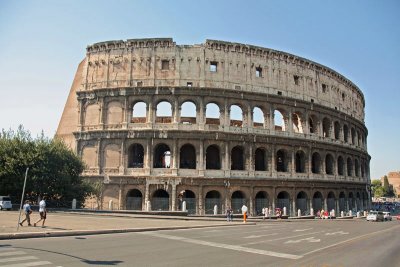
[353, 136]
[236, 116]
[238, 199]
[135, 156]
[164, 112]
[329, 164]
[283, 201]
[356, 168]
[187, 157]
[213, 198]
[316, 163]
[262, 201]
[281, 161]
[331, 201]
[213, 161]
[301, 202]
[139, 113]
[317, 201]
[300, 162]
[134, 200]
[212, 114]
[337, 130]
[297, 123]
[162, 156]
[188, 113]
[346, 133]
[258, 117]
[237, 158]
[340, 165]
[326, 127]
[349, 167]
[160, 200]
[313, 124]
[279, 121]
[260, 160]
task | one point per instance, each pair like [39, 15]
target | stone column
[125, 113]
[249, 116]
[325, 204]
[80, 115]
[271, 119]
[99, 155]
[173, 197]
[101, 112]
[293, 163]
[200, 201]
[201, 158]
[273, 161]
[251, 200]
[290, 122]
[175, 161]
[146, 195]
[123, 165]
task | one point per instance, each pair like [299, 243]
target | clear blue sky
[42, 43]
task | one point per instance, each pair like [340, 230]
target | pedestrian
[229, 214]
[263, 213]
[27, 210]
[42, 212]
[244, 212]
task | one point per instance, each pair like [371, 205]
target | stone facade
[188, 145]
[393, 179]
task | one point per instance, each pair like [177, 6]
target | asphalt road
[302, 243]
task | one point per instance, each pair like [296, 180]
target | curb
[106, 231]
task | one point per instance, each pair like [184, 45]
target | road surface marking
[302, 230]
[19, 259]
[6, 248]
[225, 246]
[11, 253]
[338, 233]
[310, 239]
[27, 264]
[282, 238]
[257, 236]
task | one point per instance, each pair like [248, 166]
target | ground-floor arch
[134, 200]
[160, 200]
[212, 198]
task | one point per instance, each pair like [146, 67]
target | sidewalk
[65, 223]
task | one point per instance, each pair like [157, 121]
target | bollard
[358, 214]
[148, 206]
[333, 213]
[184, 206]
[365, 213]
[74, 204]
[341, 214]
[312, 212]
[350, 213]
[284, 211]
[215, 209]
[110, 204]
[266, 212]
[298, 213]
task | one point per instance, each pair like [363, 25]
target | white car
[375, 216]
[387, 216]
[5, 203]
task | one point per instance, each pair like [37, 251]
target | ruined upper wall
[240, 67]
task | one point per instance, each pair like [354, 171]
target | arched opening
[237, 158]
[317, 201]
[302, 203]
[313, 124]
[316, 163]
[365, 200]
[349, 167]
[297, 123]
[139, 113]
[359, 138]
[236, 116]
[326, 127]
[212, 158]
[135, 156]
[279, 121]
[258, 117]
[188, 113]
[134, 200]
[337, 130]
[213, 198]
[160, 200]
[260, 160]
[362, 168]
[342, 201]
[353, 136]
[190, 198]
[356, 168]
[187, 157]
[261, 201]
[331, 201]
[358, 201]
[346, 133]
[281, 161]
[238, 200]
[351, 201]
[329, 164]
[212, 114]
[340, 165]
[164, 112]
[162, 156]
[300, 162]
[283, 200]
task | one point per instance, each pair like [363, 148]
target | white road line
[225, 246]
[282, 238]
[19, 259]
[302, 230]
[27, 264]
[11, 253]
[258, 236]
[351, 239]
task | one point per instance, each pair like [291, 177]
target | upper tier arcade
[159, 62]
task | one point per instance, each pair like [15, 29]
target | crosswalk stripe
[12, 253]
[18, 259]
[28, 264]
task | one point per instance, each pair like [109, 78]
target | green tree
[377, 189]
[54, 170]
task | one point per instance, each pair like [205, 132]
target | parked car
[375, 216]
[387, 216]
[5, 203]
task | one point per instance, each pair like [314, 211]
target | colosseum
[217, 124]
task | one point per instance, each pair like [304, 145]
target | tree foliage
[53, 168]
[379, 190]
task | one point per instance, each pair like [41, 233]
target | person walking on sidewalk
[244, 212]
[42, 212]
[27, 210]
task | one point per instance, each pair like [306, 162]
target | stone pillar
[251, 202]
[101, 112]
[80, 115]
[175, 155]
[227, 157]
[125, 111]
[290, 122]
[294, 203]
[176, 111]
[251, 158]
[200, 209]
[325, 204]
[271, 119]
[99, 155]
[123, 164]
[173, 197]
[201, 166]
[273, 200]
[273, 161]
[249, 116]
[146, 194]
[148, 158]
[293, 164]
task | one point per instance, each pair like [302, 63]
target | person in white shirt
[244, 212]
[42, 212]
